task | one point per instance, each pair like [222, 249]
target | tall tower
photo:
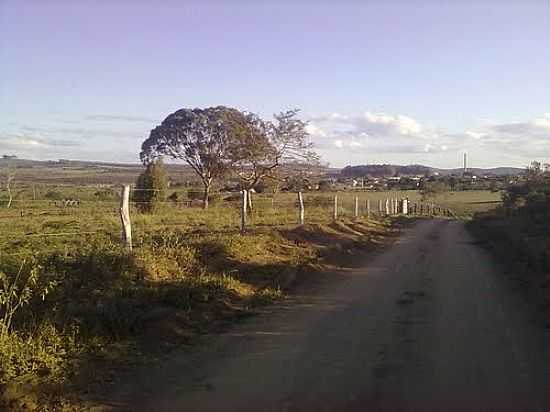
[465, 163]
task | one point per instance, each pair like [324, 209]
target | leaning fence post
[335, 207]
[125, 217]
[244, 204]
[368, 209]
[356, 209]
[387, 207]
[301, 206]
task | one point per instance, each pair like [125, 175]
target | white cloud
[385, 124]
[385, 137]
[372, 132]
[475, 135]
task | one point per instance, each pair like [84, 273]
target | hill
[386, 170]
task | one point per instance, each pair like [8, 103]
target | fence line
[265, 211]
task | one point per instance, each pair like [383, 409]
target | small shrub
[151, 187]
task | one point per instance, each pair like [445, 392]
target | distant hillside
[86, 173]
[386, 170]
[78, 172]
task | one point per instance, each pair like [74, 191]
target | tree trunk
[206, 195]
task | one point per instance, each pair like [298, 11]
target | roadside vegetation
[518, 231]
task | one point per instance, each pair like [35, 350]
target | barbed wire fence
[119, 218]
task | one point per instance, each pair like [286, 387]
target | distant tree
[534, 172]
[151, 187]
[199, 137]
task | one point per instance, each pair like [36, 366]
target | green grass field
[37, 225]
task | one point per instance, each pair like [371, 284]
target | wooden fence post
[391, 207]
[387, 207]
[380, 209]
[244, 204]
[301, 206]
[356, 208]
[368, 209]
[405, 207]
[125, 217]
[335, 207]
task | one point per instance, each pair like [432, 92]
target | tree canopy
[220, 140]
[200, 137]
[260, 147]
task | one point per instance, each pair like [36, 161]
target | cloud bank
[370, 137]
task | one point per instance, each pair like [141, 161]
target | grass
[191, 272]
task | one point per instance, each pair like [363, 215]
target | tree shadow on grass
[114, 312]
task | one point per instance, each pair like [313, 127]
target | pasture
[39, 220]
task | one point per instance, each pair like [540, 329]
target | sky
[401, 82]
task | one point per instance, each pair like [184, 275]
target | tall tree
[199, 137]
[259, 147]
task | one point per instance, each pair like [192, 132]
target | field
[38, 220]
[88, 306]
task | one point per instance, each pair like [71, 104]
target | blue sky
[380, 82]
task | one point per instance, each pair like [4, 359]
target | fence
[49, 220]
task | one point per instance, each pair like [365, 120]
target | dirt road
[429, 325]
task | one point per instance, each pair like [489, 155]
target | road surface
[431, 324]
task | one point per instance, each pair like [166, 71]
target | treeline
[385, 170]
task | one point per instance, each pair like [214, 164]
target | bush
[151, 187]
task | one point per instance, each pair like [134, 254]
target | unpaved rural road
[428, 325]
